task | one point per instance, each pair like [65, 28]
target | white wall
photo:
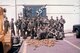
[70, 13]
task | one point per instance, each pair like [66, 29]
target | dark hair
[12, 19]
[4, 9]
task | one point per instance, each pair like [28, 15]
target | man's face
[56, 17]
[5, 19]
[61, 16]
[12, 20]
[51, 17]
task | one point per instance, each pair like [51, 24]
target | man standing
[51, 21]
[12, 27]
[62, 22]
[18, 25]
[6, 25]
[56, 23]
[23, 28]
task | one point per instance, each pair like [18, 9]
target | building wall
[70, 13]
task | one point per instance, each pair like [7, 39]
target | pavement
[70, 44]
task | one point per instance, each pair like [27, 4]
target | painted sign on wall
[34, 10]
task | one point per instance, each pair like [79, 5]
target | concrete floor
[69, 45]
